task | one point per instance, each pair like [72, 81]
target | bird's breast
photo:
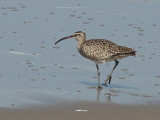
[94, 53]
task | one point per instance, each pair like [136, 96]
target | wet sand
[83, 111]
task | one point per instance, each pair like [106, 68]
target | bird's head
[79, 36]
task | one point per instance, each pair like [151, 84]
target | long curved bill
[71, 36]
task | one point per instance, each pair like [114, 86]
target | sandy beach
[83, 111]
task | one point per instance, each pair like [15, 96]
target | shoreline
[83, 111]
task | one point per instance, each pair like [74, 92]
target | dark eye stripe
[78, 34]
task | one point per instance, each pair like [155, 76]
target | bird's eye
[77, 34]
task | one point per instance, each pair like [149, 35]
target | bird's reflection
[107, 95]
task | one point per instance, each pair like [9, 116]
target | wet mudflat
[83, 110]
[35, 72]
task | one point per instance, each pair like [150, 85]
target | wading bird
[100, 51]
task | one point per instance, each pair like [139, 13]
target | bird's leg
[109, 77]
[98, 73]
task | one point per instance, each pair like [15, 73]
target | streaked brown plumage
[100, 51]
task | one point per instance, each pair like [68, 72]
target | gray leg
[109, 77]
[98, 73]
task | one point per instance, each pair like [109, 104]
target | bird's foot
[99, 87]
[108, 80]
[105, 84]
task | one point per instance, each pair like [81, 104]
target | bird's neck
[80, 42]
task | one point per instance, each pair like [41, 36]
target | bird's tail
[125, 51]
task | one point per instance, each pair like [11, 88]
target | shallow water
[34, 71]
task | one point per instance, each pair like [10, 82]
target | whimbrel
[100, 51]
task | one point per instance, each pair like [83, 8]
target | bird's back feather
[101, 50]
